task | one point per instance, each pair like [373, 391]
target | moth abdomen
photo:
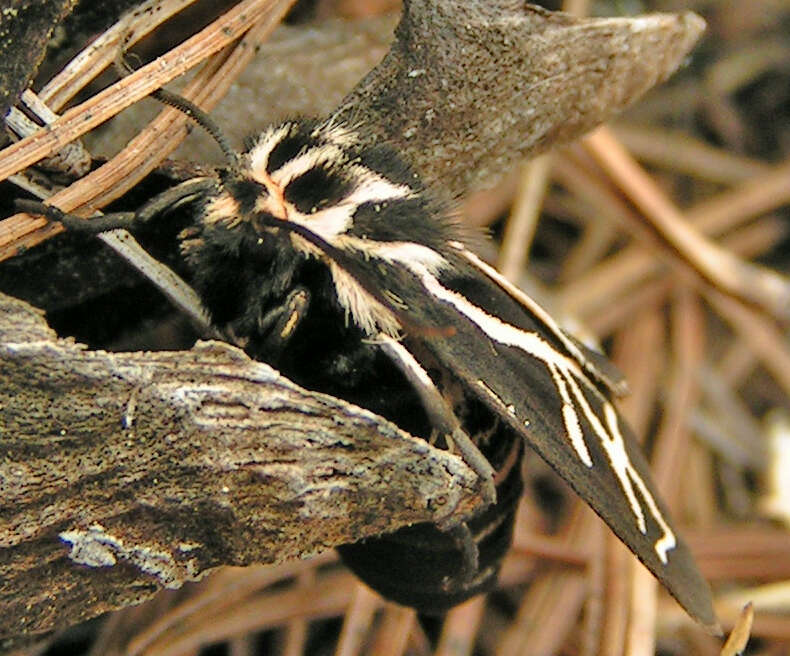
[423, 567]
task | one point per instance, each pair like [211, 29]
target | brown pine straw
[104, 105]
[739, 637]
[460, 628]
[638, 591]
[549, 609]
[688, 350]
[613, 277]
[327, 598]
[101, 52]
[221, 590]
[724, 270]
[296, 629]
[394, 632]
[531, 544]
[767, 341]
[161, 136]
[630, 600]
[616, 589]
[523, 220]
[357, 621]
[643, 370]
[749, 241]
[679, 152]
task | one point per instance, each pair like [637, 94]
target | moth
[326, 256]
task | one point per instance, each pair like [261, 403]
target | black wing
[511, 355]
[553, 393]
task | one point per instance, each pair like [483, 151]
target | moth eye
[247, 193]
[316, 189]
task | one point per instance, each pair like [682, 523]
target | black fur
[301, 136]
[320, 187]
[391, 220]
[245, 277]
[384, 160]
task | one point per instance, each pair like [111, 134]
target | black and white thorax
[312, 250]
[317, 253]
[309, 192]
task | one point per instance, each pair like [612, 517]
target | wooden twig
[127, 473]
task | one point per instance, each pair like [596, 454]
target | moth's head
[306, 174]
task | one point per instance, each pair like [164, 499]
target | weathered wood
[468, 88]
[125, 473]
[25, 29]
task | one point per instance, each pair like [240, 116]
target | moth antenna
[188, 108]
[184, 192]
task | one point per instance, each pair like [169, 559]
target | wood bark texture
[25, 29]
[125, 473]
[469, 88]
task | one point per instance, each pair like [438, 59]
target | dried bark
[25, 29]
[125, 473]
[469, 88]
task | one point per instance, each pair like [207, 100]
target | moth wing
[594, 362]
[511, 355]
[524, 373]
[607, 372]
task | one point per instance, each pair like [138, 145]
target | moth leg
[110, 229]
[280, 323]
[470, 554]
[441, 414]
